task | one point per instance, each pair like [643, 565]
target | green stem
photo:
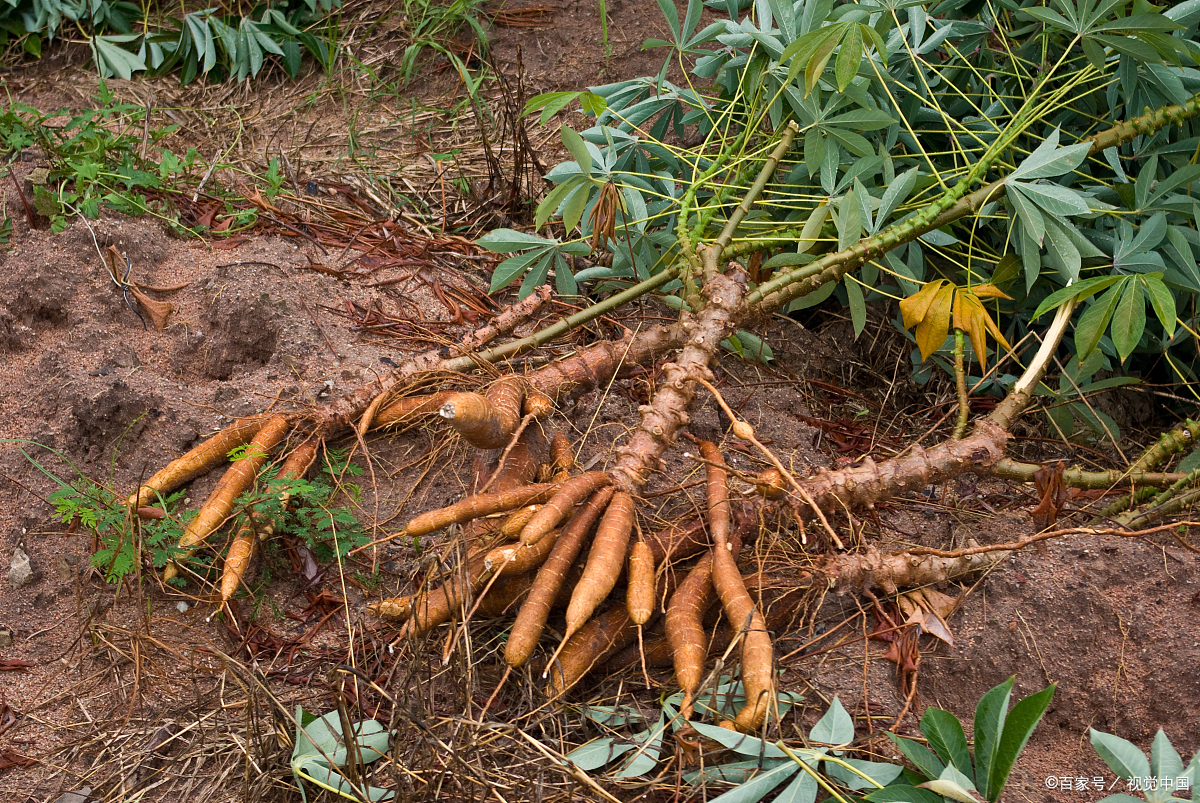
[1009, 469]
[1167, 501]
[960, 382]
[714, 251]
[564, 325]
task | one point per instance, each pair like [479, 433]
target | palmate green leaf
[1050, 161]
[1129, 320]
[113, 59]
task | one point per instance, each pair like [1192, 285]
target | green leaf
[1054, 199]
[505, 241]
[739, 742]
[112, 59]
[1165, 761]
[598, 753]
[1121, 756]
[1018, 727]
[903, 794]
[553, 200]
[848, 58]
[835, 727]
[577, 148]
[802, 789]
[508, 270]
[759, 786]
[989, 726]
[946, 737]
[881, 773]
[1094, 321]
[895, 194]
[858, 305]
[1050, 161]
[1027, 211]
[1082, 290]
[550, 104]
[1162, 302]
[1129, 320]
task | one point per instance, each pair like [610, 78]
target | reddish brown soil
[86, 389]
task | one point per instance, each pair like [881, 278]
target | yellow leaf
[989, 291]
[968, 316]
[915, 307]
[932, 330]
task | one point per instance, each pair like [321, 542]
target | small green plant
[125, 38]
[1162, 779]
[947, 770]
[433, 25]
[96, 158]
[121, 537]
[755, 767]
[303, 507]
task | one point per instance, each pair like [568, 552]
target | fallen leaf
[13, 665]
[11, 758]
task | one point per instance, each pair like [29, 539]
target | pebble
[22, 571]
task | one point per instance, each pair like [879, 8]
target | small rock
[5, 637]
[83, 795]
[22, 572]
[182, 607]
[64, 569]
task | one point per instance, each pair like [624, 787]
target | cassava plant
[1015, 170]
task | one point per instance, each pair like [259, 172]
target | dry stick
[1013, 546]
[744, 431]
[237, 479]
